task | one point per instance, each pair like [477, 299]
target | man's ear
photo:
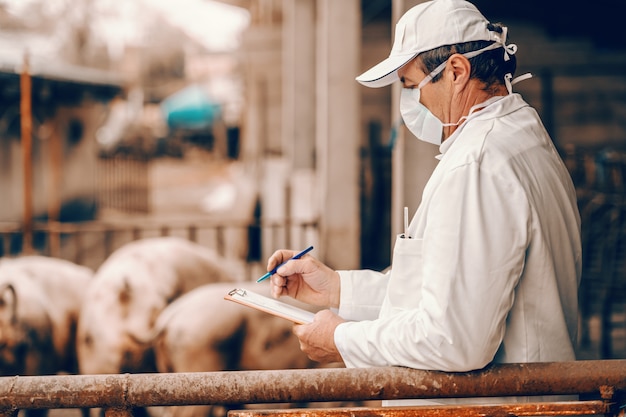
[461, 68]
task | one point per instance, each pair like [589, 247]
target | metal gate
[123, 183]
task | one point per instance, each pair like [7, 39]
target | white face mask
[422, 123]
[419, 120]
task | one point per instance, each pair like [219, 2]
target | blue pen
[296, 256]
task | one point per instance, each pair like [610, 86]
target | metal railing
[602, 383]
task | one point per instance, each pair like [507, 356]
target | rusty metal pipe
[564, 408]
[308, 385]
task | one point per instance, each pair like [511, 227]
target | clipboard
[270, 305]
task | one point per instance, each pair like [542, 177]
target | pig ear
[8, 302]
[125, 292]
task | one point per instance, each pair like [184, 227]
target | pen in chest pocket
[406, 223]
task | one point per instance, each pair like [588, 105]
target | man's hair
[488, 67]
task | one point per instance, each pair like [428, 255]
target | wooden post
[27, 148]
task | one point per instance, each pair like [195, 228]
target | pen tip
[264, 277]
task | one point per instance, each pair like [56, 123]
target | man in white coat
[490, 268]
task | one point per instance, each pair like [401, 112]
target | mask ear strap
[432, 74]
[509, 81]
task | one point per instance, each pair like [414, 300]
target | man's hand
[317, 339]
[305, 279]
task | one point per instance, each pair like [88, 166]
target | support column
[338, 130]
[298, 87]
[298, 82]
[262, 138]
[413, 160]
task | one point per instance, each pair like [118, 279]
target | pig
[40, 300]
[39, 305]
[129, 291]
[201, 332]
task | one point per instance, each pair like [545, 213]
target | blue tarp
[190, 108]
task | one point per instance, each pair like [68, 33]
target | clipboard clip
[238, 291]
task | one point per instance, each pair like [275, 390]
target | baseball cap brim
[385, 72]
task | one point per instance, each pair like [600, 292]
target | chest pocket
[404, 290]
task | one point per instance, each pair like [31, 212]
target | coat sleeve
[473, 247]
[362, 294]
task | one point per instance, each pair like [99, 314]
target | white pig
[40, 299]
[202, 332]
[129, 291]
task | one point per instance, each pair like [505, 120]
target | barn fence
[599, 385]
[600, 179]
[90, 243]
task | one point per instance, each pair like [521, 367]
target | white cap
[427, 26]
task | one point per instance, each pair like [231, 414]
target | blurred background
[238, 124]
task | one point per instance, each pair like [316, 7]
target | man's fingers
[278, 257]
[278, 280]
[294, 266]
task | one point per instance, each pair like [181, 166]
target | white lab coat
[490, 272]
